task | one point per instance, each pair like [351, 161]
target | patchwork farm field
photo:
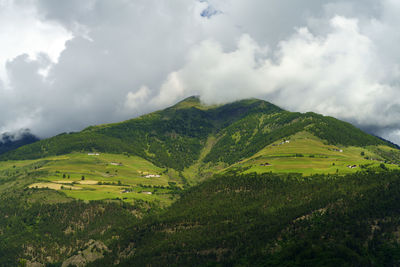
[99, 176]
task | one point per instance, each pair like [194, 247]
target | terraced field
[102, 176]
[307, 154]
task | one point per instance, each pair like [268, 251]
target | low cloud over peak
[121, 59]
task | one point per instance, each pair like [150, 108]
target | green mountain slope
[245, 137]
[154, 156]
[284, 189]
[305, 153]
[174, 137]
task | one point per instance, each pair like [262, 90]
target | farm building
[351, 166]
[152, 175]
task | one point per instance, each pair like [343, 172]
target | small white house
[152, 175]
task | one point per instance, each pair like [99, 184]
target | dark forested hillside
[42, 225]
[174, 137]
[272, 220]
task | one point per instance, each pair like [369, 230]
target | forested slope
[272, 220]
[42, 225]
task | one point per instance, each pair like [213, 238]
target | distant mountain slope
[174, 137]
[10, 141]
[250, 134]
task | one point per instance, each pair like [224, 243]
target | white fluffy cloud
[349, 71]
[107, 61]
[22, 32]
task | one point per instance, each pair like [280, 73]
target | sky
[65, 65]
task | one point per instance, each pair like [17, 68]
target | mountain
[9, 141]
[175, 137]
[241, 184]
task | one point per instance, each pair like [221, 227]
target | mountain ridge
[174, 137]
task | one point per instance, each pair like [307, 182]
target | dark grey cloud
[117, 48]
[125, 58]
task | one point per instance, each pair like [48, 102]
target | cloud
[103, 61]
[22, 32]
[343, 72]
[136, 99]
[116, 48]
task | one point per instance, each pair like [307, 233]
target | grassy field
[7, 165]
[307, 154]
[105, 168]
[103, 176]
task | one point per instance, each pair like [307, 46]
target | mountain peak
[193, 98]
[191, 101]
[195, 101]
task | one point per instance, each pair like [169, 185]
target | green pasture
[100, 192]
[11, 164]
[306, 154]
[105, 176]
[102, 165]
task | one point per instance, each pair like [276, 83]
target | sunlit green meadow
[102, 176]
[306, 154]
